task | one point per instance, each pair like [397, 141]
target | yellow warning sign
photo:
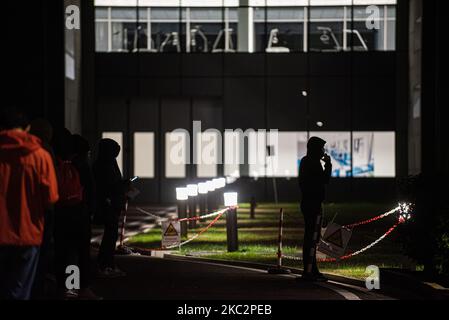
[171, 231]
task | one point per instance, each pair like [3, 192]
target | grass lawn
[258, 237]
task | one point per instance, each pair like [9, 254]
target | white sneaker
[121, 273]
[69, 294]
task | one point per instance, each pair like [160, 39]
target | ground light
[231, 201]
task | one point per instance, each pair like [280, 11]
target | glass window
[363, 39]
[326, 29]
[124, 13]
[165, 29]
[101, 36]
[207, 155]
[286, 151]
[374, 154]
[101, 13]
[205, 26]
[391, 35]
[176, 154]
[214, 29]
[117, 137]
[257, 153]
[144, 154]
[232, 154]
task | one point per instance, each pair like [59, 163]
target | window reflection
[276, 29]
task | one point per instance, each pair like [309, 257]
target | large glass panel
[232, 154]
[286, 151]
[391, 35]
[101, 13]
[101, 36]
[366, 32]
[144, 154]
[363, 39]
[205, 27]
[176, 154]
[326, 29]
[374, 154]
[166, 30]
[285, 29]
[117, 136]
[207, 154]
[257, 153]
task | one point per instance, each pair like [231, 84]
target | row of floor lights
[205, 196]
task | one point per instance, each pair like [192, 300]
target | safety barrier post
[279, 269]
[230, 201]
[122, 231]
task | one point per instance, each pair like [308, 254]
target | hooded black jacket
[312, 177]
[110, 190]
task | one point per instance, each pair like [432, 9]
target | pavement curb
[394, 284]
[263, 266]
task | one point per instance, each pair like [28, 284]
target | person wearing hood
[111, 200]
[28, 186]
[42, 129]
[312, 180]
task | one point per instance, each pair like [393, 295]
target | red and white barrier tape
[372, 244]
[220, 213]
[383, 215]
[213, 214]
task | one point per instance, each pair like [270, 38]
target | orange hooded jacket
[28, 186]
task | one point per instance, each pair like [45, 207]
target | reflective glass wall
[276, 26]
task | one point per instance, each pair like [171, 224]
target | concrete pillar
[245, 33]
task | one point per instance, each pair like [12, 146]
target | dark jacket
[110, 188]
[312, 177]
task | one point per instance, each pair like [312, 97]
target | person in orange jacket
[28, 186]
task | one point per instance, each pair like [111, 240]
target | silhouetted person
[111, 200]
[81, 160]
[72, 228]
[312, 181]
[42, 129]
[28, 187]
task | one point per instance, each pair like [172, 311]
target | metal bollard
[192, 212]
[182, 213]
[231, 229]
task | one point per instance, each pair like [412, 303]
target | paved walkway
[171, 279]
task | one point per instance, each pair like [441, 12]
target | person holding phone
[312, 180]
[111, 199]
